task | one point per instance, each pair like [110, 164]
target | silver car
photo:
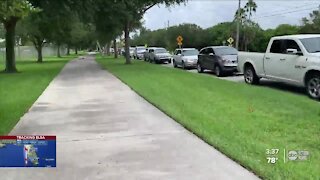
[220, 59]
[139, 52]
[131, 52]
[185, 58]
[159, 55]
[146, 55]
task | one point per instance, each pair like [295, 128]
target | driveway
[106, 131]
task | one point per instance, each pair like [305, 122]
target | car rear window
[225, 51]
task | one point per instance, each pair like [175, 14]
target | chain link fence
[29, 53]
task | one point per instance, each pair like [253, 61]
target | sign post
[179, 41]
[230, 41]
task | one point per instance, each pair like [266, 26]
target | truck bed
[255, 57]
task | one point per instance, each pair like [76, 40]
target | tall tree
[311, 24]
[133, 11]
[11, 11]
[250, 8]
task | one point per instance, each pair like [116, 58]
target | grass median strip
[19, 91]
[241, 121]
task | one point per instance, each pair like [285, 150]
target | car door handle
[282, 59]
[267, 58]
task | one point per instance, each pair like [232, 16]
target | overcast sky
[207, 13]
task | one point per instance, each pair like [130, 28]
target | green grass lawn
[19, 91]
[241, 121]
[1, 56]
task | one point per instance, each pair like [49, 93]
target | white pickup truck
[293, 59]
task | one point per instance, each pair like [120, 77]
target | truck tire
[313, 86]
[250, 76]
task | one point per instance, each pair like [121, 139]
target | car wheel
[199, 68]
[250, 76]
[174, 64]
[313, 86]
[218, 71]
[183, 65]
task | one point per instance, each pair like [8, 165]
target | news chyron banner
[28, 151]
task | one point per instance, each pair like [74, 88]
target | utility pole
[238, 26]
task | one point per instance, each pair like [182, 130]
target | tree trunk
[108, 49]
[39, 50]
[116, 49]
[58, 51]
[10, 26]
[38, 44]
[76, 50]
[68, 50]
[127, 42]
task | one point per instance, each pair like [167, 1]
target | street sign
[179, 39]
[230, 40]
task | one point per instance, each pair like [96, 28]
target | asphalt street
[263, 82]
[235, 78]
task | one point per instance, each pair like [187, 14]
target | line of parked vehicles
[293, 59]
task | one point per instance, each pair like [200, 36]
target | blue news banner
[27, 151]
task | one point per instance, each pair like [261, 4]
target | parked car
[131, 49]
[147, 53]
[139, 52]
[159, 55]
[220, 59]
[186, 58]
[293, 59]
[123, 52]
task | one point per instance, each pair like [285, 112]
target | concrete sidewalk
[106, 131]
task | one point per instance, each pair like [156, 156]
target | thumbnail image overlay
[27, 151]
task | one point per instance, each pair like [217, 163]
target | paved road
[237, 78]
[263, 82]
[106, 131]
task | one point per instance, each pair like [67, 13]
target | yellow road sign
[230, 40]
[179, 39]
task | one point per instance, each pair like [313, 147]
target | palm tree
[250, 7]
[242, 16]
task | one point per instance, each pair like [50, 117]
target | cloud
[207, 13]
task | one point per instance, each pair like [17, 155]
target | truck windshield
[225, 51]
[192, 52]
[312, 45]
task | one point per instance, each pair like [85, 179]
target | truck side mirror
[294, 52]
